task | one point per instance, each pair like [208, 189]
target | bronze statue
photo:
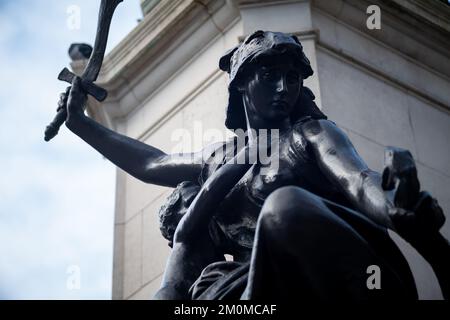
[307, 228]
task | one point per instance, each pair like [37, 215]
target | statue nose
[281, 85]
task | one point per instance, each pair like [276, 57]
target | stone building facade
[387, 86]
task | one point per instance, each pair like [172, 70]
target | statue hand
[416, 214]
[424, 219]
[62, 103]
[75, 98]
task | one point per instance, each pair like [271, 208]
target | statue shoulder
[214, 155]
[312, 129]
[308, 133]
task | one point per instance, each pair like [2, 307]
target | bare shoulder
[212, 156]
[320, 130]
[317, 127]
[211, 149]
[210, 152]
[326, 139]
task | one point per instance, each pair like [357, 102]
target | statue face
[272, 89]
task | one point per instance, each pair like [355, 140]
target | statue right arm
[140, 160]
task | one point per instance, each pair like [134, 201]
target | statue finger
[76, 85]
[66, 94]
[62, 97]
[62, 100]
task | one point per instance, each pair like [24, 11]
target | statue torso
[234, 223]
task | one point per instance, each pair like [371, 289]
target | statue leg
[303, 249]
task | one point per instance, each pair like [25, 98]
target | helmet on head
[258, 45]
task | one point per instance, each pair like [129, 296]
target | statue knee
[289, 208]
[294, 215]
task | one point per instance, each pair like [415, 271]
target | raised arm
[144, 162]
[340, 162]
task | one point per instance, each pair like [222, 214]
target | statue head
[268, 70]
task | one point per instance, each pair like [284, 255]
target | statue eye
[269, 75]
[293, 77]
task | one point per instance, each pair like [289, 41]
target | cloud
[57, 198]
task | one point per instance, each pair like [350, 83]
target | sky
[56, 198]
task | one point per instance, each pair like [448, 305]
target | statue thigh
[303, 249]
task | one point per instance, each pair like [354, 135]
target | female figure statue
[309, 227]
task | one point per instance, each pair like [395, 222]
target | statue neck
[256, 123]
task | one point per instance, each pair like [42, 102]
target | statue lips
[280, 104]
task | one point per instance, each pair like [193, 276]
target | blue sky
[57, 198]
